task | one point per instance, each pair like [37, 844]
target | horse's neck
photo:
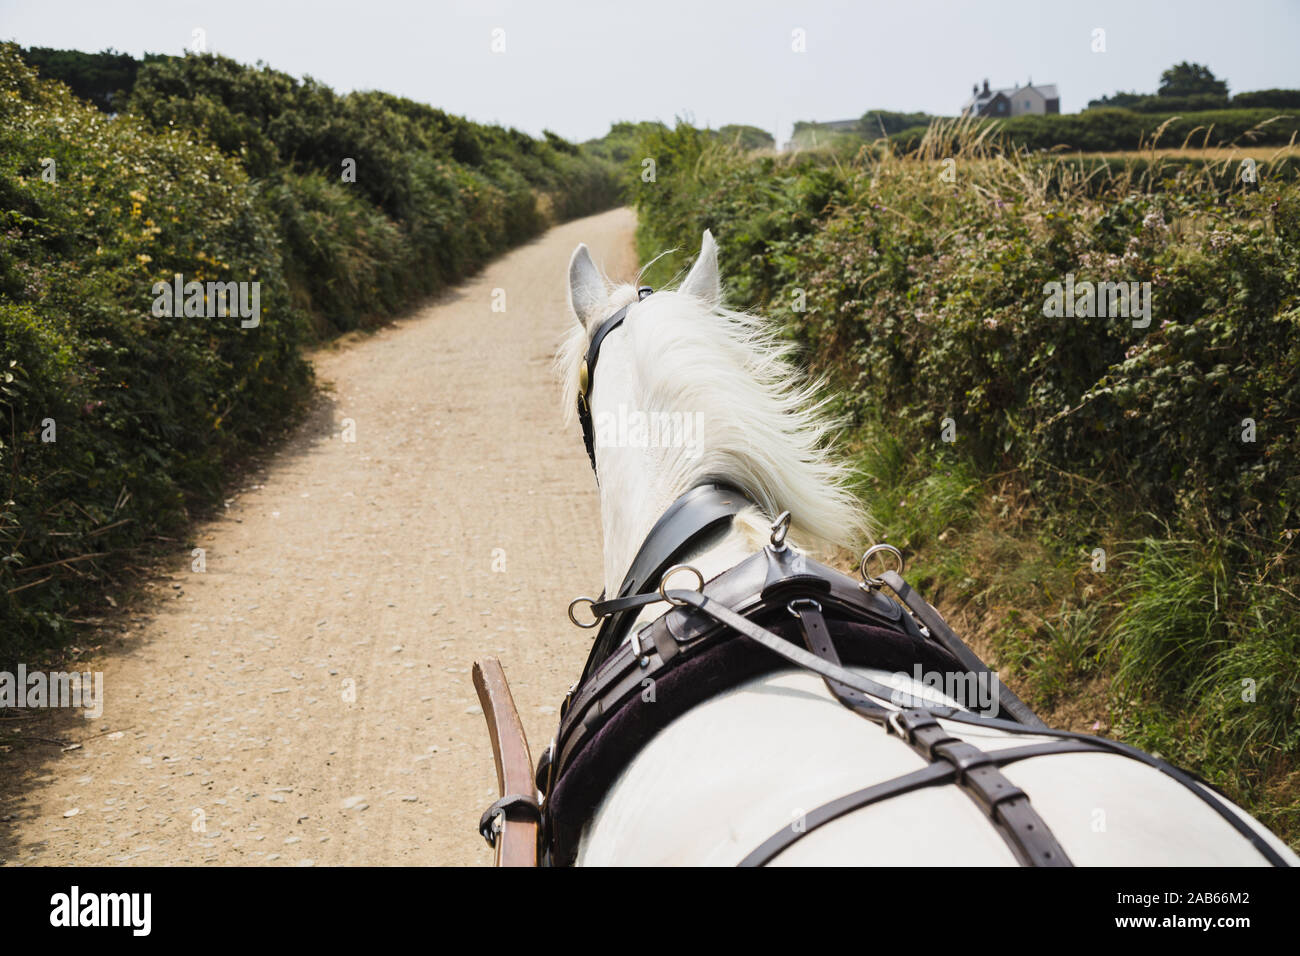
[634, 495]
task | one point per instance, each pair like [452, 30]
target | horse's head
[676, 389]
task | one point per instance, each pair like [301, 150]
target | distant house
[1013, 101]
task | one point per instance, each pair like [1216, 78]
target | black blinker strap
[589, 367]
[589, 362]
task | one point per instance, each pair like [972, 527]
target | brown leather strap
[817, 636]
[939, 628]
[513, 820]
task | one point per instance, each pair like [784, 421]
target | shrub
[441, 195]
[1108, 129]
[144, 410]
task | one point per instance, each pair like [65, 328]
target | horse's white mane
[765, 428]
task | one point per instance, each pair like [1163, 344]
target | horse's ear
[703, 280]
[587, 290]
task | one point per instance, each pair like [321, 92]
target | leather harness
[752, 619]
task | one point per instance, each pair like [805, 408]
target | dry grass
[1257, 153]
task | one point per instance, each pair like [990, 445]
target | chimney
[986, 85]
[974, 89]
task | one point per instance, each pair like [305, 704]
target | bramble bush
[144, 410]
[927, 298]
[435, 196]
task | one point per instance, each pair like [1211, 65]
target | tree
[1187, 79]
[103, 78]
[746, 137]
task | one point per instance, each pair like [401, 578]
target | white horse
[722, 778]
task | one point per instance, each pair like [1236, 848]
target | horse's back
[722, 778]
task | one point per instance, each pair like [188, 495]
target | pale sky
[576, 66]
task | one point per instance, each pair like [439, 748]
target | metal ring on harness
[868, 581]
[595, 621]
[673, 570]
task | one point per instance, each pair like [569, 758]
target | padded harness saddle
[774, 610]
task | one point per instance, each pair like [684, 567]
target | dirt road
[307, 699]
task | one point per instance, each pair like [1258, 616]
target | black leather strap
[978, 776]
[812, 625]
[1005, 804]
[1206, 793]
[933, 775]
[604, 609]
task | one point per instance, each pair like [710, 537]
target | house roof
[1048, 90]
[982, 98]
[978, 101]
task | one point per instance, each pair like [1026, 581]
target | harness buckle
[494, 818]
